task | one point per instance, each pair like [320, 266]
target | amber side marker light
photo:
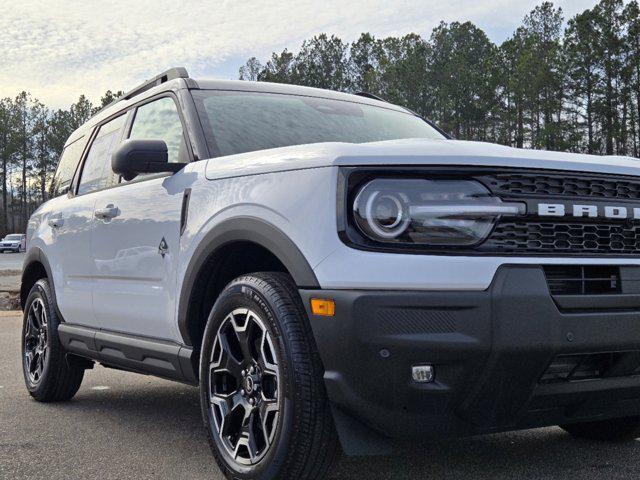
[323, 306]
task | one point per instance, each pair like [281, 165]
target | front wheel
[262, 394]
[614, 430]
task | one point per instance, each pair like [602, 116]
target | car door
[135, 241]
[69, 223]
[74, 224]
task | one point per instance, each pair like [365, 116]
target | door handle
[56, 221]
[107, 213]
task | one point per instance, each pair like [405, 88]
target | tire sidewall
[243, 295]
[40, 290]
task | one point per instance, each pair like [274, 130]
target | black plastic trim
[36, 255]
[598, 302]
[489, 349]
[184, 212]
[250, 229]
[137, 354]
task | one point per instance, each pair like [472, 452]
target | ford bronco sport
[331, 270]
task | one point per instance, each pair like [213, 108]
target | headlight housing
[428, 212]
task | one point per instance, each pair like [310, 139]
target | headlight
[428, 212]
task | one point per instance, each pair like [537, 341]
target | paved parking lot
[11, 261]
[10, 268]
[122, 425]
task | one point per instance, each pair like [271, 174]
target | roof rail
[171, 74]
[370, 95]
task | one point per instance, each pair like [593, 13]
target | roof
[286, 89]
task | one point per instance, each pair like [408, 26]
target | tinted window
[67, 166]
[97, 173]
[246, 121]
[159, 120]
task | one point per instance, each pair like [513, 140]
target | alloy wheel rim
[244, 387]
[36, 348]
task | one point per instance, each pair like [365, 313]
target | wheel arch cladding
[284, 256]
[36, 266]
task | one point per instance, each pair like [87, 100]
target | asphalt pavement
[10, 272]
[11, 261]
[123, 425]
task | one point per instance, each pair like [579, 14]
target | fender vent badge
[163, 248]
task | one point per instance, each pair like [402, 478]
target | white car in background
[14, 242]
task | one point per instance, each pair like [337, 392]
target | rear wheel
[48, 374]
[263, 399]
[615, 430]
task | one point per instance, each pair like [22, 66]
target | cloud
[58, 49]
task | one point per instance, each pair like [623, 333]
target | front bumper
[490, 349]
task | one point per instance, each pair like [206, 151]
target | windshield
[238, 122]
[13, 237]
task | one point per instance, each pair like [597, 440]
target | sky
[58, 49]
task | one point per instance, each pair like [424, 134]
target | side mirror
[136, 157]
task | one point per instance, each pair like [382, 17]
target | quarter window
[97, 173]
[159, 120]
[67, 167]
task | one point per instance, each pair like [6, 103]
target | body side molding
[128, 352]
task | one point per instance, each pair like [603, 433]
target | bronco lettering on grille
[589, 211]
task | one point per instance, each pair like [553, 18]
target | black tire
[614, 430]
[59, 378]
[305, 443]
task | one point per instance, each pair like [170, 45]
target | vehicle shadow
[534, 454]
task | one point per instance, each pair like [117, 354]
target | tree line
[32, 137]
[571, 86]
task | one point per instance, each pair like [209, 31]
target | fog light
[422, 373]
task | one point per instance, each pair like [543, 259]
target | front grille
[583, 280]
[575, 237]
[534, 234]
[558, 185]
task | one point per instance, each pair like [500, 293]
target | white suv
[14, 242]
[331, 269]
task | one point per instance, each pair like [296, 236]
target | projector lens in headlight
[428, 212]
[387, 214]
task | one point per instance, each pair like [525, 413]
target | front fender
[249, 229]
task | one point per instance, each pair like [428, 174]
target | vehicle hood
[413, 152]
